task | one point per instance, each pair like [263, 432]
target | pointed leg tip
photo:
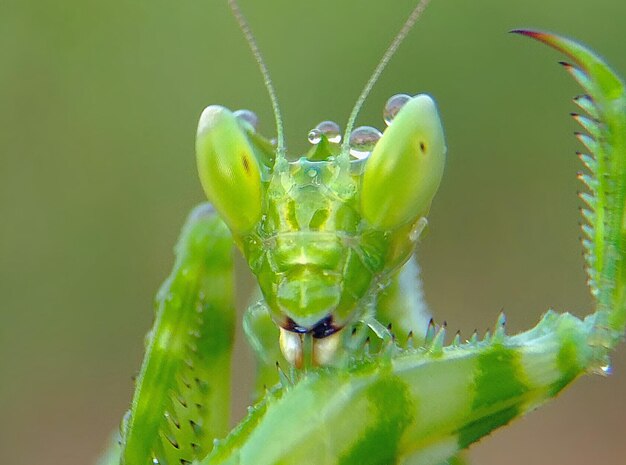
[524, 32]
[542, 36]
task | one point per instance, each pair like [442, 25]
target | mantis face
[323, 233]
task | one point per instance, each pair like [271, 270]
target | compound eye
[229, 171]
[403, 172]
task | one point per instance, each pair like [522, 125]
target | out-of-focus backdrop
[98, 107]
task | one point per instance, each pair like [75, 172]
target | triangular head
[323, 233]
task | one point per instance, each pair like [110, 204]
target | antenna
[267, 80]
[382, 64]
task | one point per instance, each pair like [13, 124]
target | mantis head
[323, 233]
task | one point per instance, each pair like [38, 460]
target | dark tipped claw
[543, 36]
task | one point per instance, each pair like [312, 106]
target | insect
[363, 376]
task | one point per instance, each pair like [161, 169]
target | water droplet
[124, 423]
[363, 140]
[331, 130]
[393, 106]
[417, 229]
[606, 369]
[315, 136]
[155, 461]
[247, 116]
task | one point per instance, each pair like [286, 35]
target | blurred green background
[98, 107]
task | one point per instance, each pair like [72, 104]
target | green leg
[182, 394]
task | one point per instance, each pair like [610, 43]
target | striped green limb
[182, 394]
[410, 405]
[604, 136]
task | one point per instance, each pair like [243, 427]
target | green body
[311, 233]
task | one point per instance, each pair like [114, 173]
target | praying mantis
[364, 375]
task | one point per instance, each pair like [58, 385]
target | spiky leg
[182, 394]
[604, 136]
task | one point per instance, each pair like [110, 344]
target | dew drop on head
[331, 130]
[248, 116]
[315, 136]
[393, 106]
[362, 141]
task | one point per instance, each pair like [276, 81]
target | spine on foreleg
[181, 397]
[604, 136]
[419, 406]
